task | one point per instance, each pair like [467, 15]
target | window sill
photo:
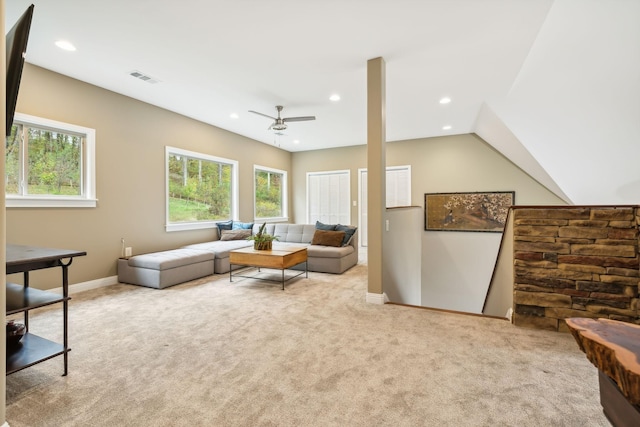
[277, 219]
[49, 202]
[184, 226]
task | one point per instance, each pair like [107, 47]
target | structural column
[376, 167]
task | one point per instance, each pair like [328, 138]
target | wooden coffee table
[278, 258]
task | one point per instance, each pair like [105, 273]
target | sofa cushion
[328, 238]
[349, 231]
[238, 234]
[169, 259]
[318, 251]
[321, 226]
[220, 248]
[294, 233]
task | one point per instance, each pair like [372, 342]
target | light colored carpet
[211, 353]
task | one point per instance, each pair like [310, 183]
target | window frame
[199, 225]
[88, 197]
[284, 203]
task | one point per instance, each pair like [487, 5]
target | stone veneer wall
[575, 262]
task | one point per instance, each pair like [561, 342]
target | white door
[328, 197]
[398, 189]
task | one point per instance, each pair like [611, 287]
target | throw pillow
[349, 231]
[237, 225]
[328, 238]
[240, 234]
[226, 225]
[321, 226]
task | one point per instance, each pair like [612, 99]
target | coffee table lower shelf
[276, 259]
[240, 272]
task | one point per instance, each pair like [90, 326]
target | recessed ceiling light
[296, 141]
[234, 115]
[445, 100]
[447, 127]
[65, 45]
[335, 97]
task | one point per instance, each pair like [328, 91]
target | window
[49, 164]
[201, 189]
[270, 193]
[328, 197]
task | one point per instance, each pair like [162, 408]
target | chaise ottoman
[163, 269]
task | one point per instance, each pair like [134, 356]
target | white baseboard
[509, 314]
[377, 298]
[85, 286]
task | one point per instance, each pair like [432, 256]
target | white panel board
[457, 269]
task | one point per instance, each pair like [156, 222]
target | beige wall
[457, 163]
[463, 163]
[130, 141]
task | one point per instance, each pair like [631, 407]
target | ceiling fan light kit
[279, 123]
[278, 126]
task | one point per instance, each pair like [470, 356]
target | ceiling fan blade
[260, 114]
[298, 119]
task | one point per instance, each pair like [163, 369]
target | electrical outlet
[128, 251]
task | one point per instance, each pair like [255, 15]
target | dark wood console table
[22, 298]
[614, 348]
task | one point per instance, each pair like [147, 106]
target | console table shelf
[20, 298]
[33, 349]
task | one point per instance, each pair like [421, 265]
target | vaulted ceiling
[554, 85]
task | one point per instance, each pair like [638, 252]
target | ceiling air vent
[144, 77]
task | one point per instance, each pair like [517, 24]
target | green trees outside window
[270, 193]
[43, 162]
[199, 189]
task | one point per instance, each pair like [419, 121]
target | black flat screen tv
[17, 39]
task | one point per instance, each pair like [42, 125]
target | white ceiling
[553, 85]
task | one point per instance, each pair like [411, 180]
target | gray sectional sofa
[168, 268]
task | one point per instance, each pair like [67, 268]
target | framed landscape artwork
[467, 211]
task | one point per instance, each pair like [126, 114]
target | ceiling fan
[280, 123]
